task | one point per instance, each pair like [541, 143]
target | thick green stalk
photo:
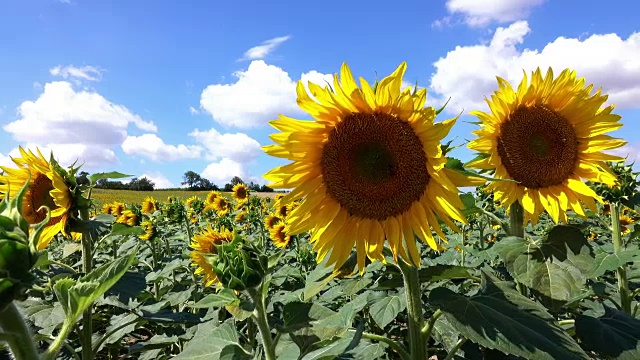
[516, 228]
[17, 334]
[59, 341]
[87, 266]
[417, 342]
[621, 272]
[259, 315]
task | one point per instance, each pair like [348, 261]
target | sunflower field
[384, 247]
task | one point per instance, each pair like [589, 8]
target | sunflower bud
[18, 253]
[238, 265]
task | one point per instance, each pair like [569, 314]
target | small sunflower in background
[149, 205]
[117, 208]
[149, 230]
[240, 193]
[369, 169]
[547, 137]
[280, 237]
[204, 245]
[211, 196]
[191, 201]
[221, 206]
[241, 216]
[106, 209]
[271, 221]
[47, 187]
[128, 217]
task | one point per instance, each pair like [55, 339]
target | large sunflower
[368, 169]
[204, 245]
[47, 188]
[547, 137]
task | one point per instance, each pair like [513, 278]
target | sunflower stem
[621, 272]
[87, 265]
[259, 315]
[17, 334]
[417, 343]
[516, 228]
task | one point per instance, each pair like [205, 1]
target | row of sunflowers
[375, 252]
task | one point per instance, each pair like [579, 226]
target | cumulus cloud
[89, 73]
[5, 160]
[261, 92]
[467, 73]
[193, 110]
[238, 146]
[160, 181]
[264, 49]
[75, 124]
[480, 13]
[222, 171]
[154, 148]
[230, 153]
[630, 151]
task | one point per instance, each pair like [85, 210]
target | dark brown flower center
[36, 197]
[538, 147]
[374, 165]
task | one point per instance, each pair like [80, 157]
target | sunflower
[47, 187]
[149, 230]
[280, 236]
[204, 245]
[212, 195]
[278, 197]
[626, 223]
[240, 193]
[191, 201]
[149, 205]
[241, 216]
[271, 220]
[193, 217]
[546, 137]
[128, 217]
[368, 169]
[106, 209]
[117, 208]
[221, 205]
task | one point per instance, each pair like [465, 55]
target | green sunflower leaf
[498, 317]
[614, 335]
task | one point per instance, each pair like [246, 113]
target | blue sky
[157, 88]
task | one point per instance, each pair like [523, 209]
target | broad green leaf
[500, 318]
[107, 175]
[607, 261]
[75, 296]
[223, 298]
[120, 325]
[241, 311]
[339, 323]
[124, 229]
[70, 248]
[333, 349]
[556, 267]
[297, 315]
[428, 274]
[368, 351]
[387, 308]
[316, 281]
[214, 341]
[169, 316]
[287, 349]
[614, 335]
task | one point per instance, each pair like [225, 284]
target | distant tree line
[191, 181]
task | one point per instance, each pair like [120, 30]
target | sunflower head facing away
[204, 246]
[369, 168]
[149, 205]
[47, 188]
[149, 230]
[546, 137]
[240, 193]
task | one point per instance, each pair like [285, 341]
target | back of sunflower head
[18, 252]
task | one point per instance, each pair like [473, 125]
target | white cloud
[467, 73]
[154, 148]
[483, 12]
[75, 124]
[193, 110]
[238, 147]
[261, 93]
[90, 73]
[264, 49]
[222, 171]
[160, 181]
[5, 160]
